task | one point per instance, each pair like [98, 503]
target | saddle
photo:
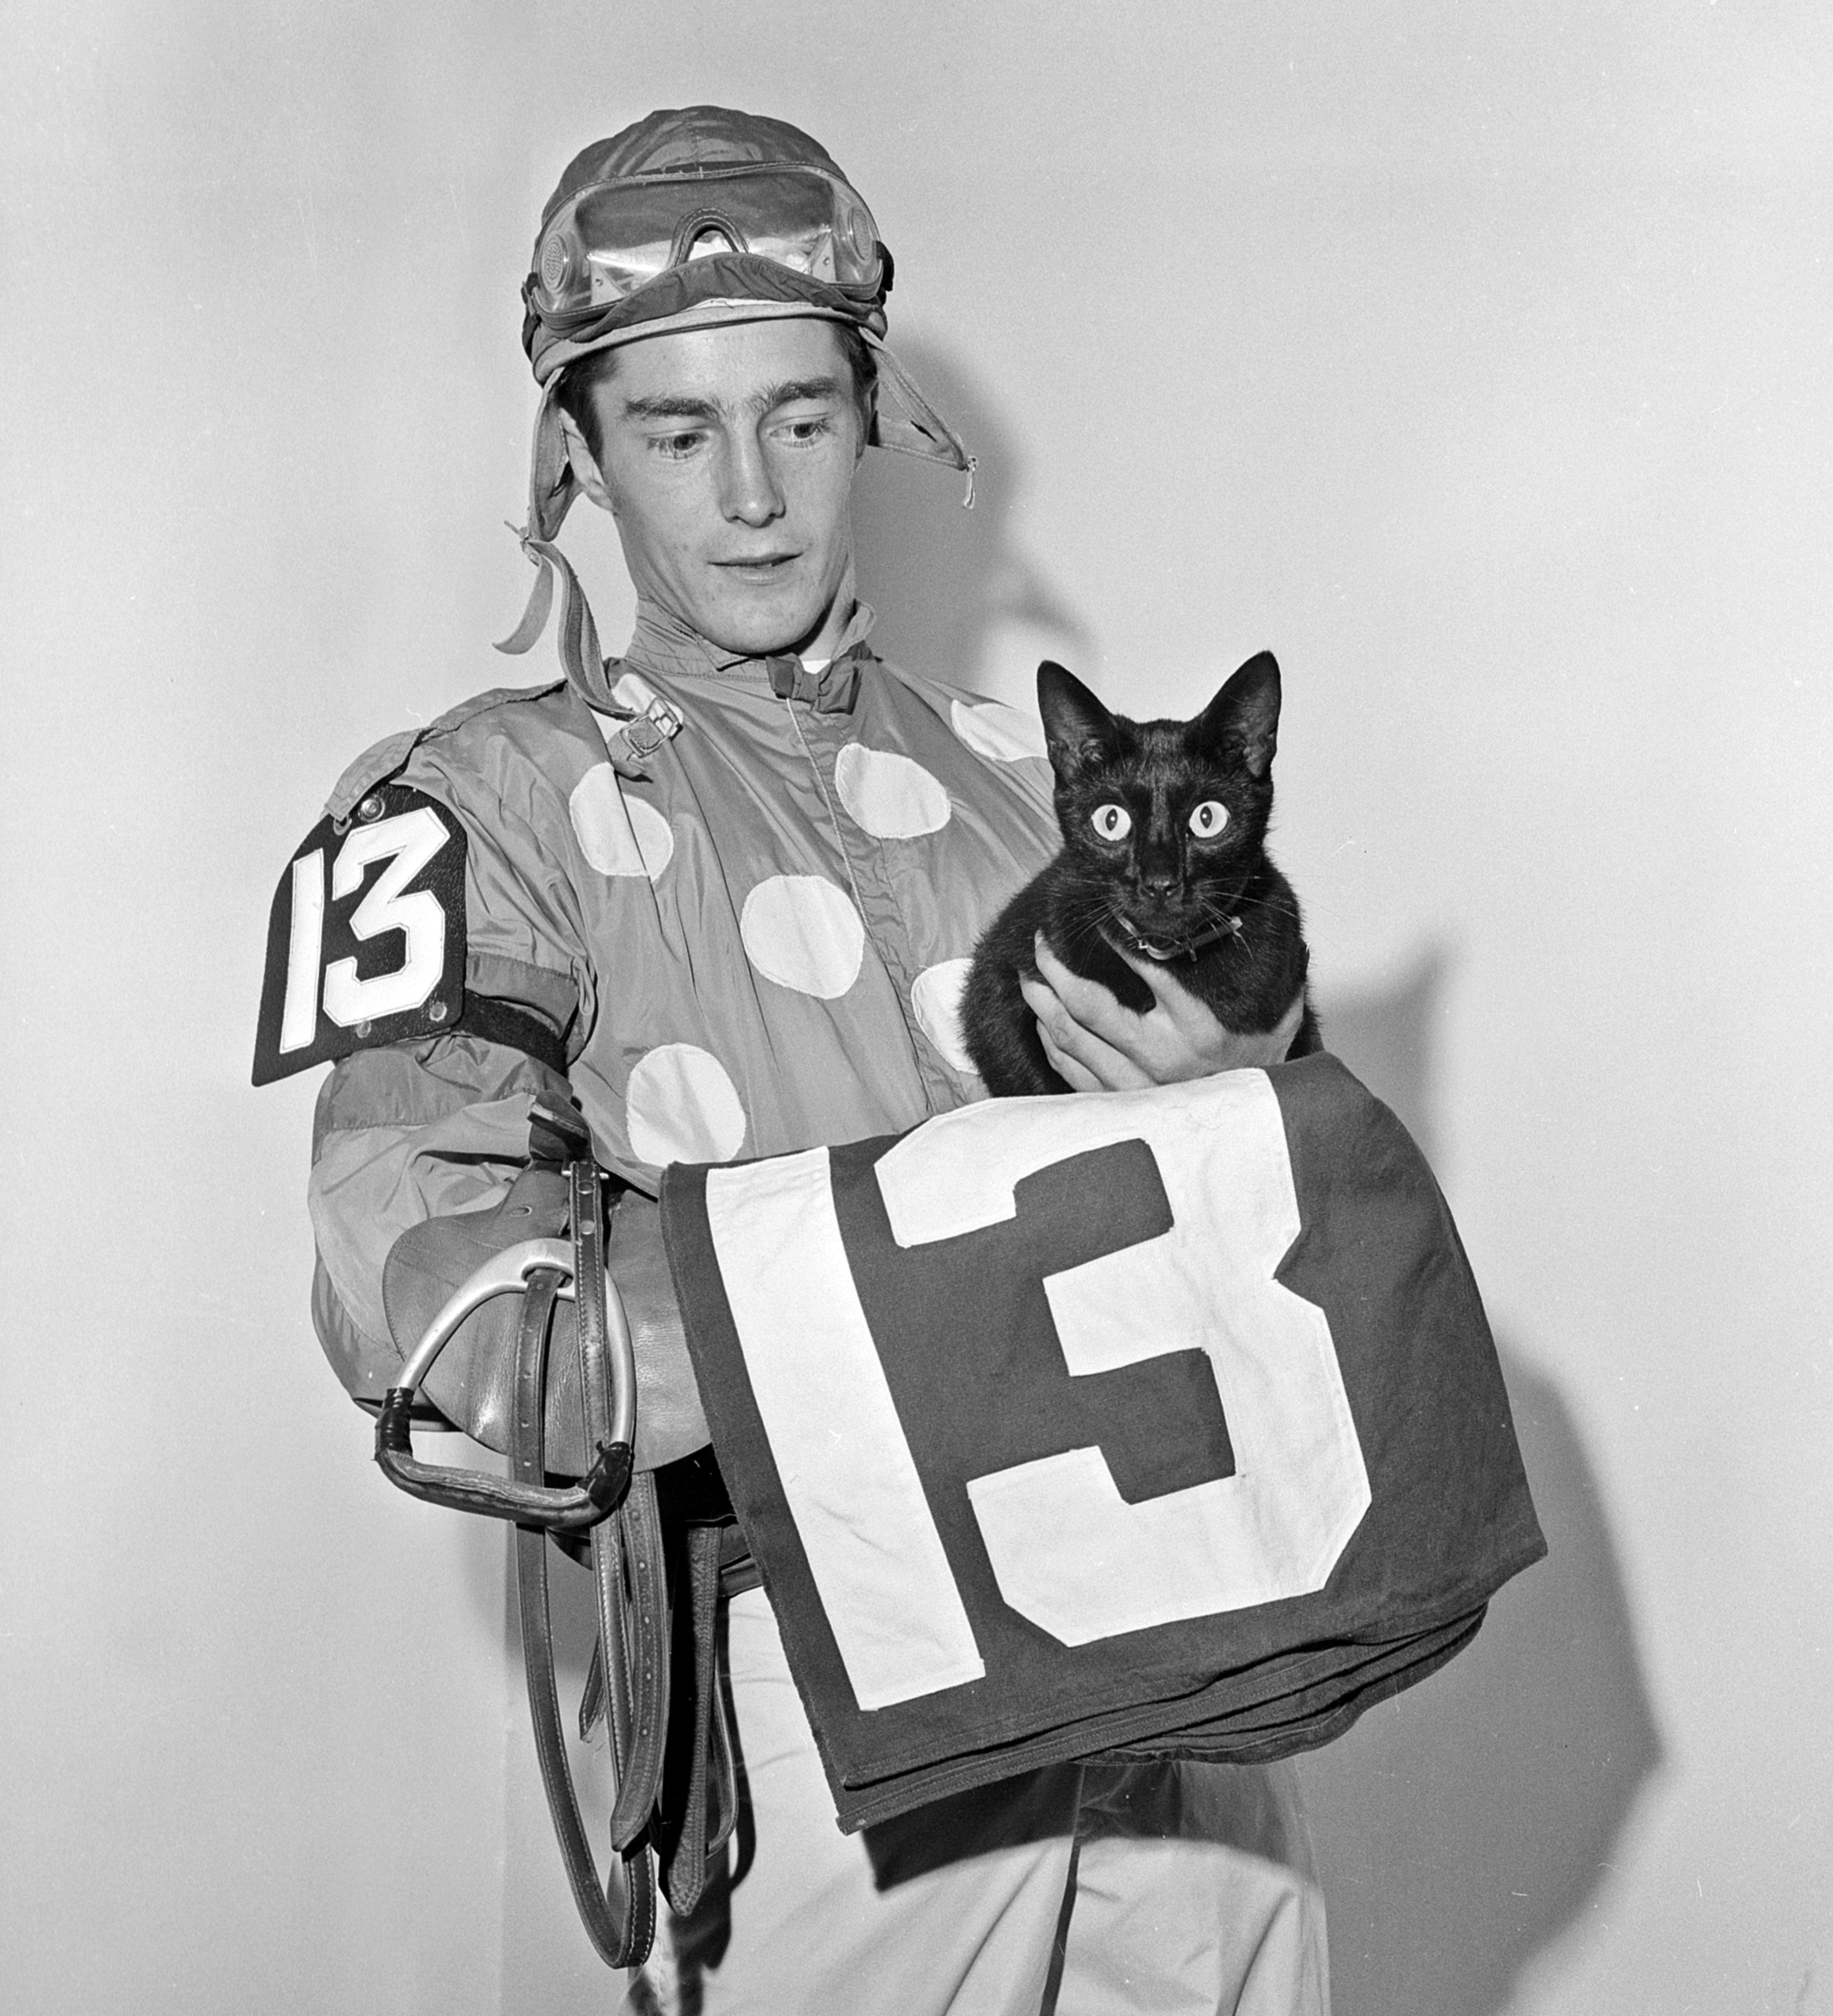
[643, 1506]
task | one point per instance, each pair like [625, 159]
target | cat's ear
[1076, 725]
[1243, 718]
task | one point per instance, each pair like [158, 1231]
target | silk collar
[662, 642]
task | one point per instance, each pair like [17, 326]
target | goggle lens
[616, 237]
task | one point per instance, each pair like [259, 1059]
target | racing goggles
[611, 240]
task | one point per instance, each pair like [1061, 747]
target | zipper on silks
[900, 991]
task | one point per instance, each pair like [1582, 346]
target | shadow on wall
[949, 584]
[1386, 1039]
[1464, 1827]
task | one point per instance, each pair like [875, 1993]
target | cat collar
[1163, 951]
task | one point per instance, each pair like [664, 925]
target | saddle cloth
[1161, 1422]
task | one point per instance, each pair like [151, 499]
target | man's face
[728, 460]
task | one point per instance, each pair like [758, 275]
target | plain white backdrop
[1474, 357]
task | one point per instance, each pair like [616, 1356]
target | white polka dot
[632, 690]
[802, 931]
[935, 994]
[992, 728]
[892, 797]
[682, 1107]
[618, 835]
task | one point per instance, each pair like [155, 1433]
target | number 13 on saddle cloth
[1162, 1423]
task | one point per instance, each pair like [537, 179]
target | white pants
[1183, 1890]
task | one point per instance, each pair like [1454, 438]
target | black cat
[1164, 826]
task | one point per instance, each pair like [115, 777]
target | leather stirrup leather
[674, 1777]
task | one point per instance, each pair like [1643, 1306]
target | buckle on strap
[632, 742]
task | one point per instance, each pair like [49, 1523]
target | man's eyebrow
[782, 395]
[681, 406]
[665, 406]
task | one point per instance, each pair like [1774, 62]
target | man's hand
[1095, 1045]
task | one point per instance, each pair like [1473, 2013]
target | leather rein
[618, 1507]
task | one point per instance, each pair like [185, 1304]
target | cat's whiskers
[1280, 905]
[1087, 931]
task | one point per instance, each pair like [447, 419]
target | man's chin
[762, 623]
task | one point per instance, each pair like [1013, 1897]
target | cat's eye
[1111, 821]
[1209, 818]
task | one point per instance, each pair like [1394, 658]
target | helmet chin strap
[551, 488]
[576, 639]
[908, 423]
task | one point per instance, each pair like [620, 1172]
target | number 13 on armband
[366, 940]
